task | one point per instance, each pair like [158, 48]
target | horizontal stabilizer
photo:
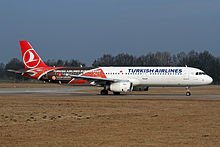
[21, 72]
[15, 71]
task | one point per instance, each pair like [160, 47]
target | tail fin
[30, 57]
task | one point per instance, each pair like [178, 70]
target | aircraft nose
[209, 80]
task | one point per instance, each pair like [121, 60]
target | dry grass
[107, 121]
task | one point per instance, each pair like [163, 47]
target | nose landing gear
[188, 93]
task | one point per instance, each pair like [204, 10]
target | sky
[87, 29]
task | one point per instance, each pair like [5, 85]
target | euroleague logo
[31, 59]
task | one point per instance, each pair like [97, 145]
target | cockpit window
[200, 73]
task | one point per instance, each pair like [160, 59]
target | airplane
[115, 79]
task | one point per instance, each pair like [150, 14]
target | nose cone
[209, 80]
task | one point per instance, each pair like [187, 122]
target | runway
[54, 90]
[91, 92]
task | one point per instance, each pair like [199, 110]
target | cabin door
[186, 74]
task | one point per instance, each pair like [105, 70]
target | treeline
[202, 60]
[16, 64]
[64, 63]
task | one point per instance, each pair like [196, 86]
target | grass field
[109, 121]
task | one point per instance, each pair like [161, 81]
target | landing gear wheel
[104, 92]
[188, 93]
[116, 93]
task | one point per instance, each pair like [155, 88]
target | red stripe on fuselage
[78, 82]
[93, 73]
[37, 72]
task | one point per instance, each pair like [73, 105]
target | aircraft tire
[104, 92]
[188, 93]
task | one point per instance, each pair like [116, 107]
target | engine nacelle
[121, 87]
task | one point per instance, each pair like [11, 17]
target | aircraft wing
[96, 79]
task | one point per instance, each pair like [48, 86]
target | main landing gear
[188, 93]
[104, 92]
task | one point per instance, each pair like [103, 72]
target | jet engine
[121, 87]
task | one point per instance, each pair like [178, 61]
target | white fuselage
[158, 76]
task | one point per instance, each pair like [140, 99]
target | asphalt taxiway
[86, 91]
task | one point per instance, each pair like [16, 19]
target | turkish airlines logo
[31, 59]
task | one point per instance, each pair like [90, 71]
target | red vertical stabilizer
[30, 57]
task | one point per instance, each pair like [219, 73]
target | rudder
[30, 58]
